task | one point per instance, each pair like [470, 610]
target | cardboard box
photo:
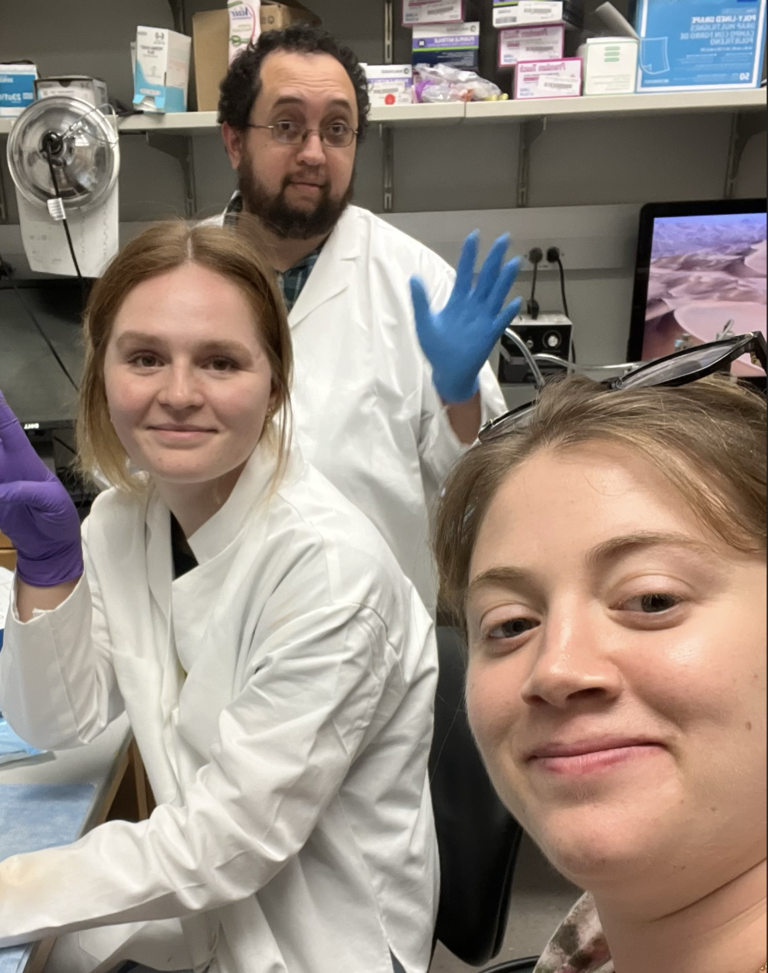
[17, 88]
[610, 65]
[210, 33]
[549, 79]
[161, 79]
[92, 90]
[277, 16]
[530, 44]
[389, 84]
[700, 45]
[522, 13]
[457, 45]
[432, 12]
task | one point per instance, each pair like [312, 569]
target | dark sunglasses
[678, 369]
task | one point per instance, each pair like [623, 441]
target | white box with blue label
[17, 88]
[522, 13]
[161, 76]
[389, 84]
[454, 44]
[432, 12]
[700, 45]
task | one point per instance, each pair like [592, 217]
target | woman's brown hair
[707, 438]
[163, 247]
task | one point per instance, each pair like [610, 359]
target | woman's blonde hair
[707, 438]
[237, 256]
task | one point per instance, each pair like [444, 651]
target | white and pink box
[530, 44]
[432, 12]
[549, 79]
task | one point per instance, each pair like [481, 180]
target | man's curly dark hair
[242, 85]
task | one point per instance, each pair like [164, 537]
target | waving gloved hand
[459, 340]
[36, 511]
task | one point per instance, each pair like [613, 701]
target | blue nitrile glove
[459, 339]
[36, 511]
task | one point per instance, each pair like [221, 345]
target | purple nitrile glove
[36, 512]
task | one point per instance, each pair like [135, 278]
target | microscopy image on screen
[707, 279]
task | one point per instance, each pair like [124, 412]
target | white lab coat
[367, 414]
[281, 695]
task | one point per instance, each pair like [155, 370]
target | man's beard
[277, 215]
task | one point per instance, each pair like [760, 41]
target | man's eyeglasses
[678, 369]
[336, 135]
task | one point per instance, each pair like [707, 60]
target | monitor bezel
[648, 214]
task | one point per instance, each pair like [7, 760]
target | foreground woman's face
[617, 672]
[188, 383]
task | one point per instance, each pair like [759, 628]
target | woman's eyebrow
[617, 548]
[138, 337]
[503, 577]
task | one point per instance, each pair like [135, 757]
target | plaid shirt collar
[293, 281]
[579, 945]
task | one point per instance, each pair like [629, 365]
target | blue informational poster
[700, 45]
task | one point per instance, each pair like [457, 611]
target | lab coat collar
[254, 487]
[333, 271]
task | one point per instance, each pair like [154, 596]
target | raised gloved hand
[36, 511]
[459, 339]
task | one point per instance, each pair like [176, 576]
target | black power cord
[554, 256]
[7, 271]
[52, 147]
[535, 256]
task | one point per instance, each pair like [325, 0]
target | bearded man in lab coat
[384, 400]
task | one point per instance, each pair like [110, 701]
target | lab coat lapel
[215, 549]
[334, 270]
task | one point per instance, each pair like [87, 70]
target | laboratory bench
[102, 780]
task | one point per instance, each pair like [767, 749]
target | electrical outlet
[544, 264]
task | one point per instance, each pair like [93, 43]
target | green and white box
[610, 65]
[161, 77]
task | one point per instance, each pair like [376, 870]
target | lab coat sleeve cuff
[440, 446]
[47, 674]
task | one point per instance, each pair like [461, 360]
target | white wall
[584, 163]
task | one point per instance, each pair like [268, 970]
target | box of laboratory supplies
[277, 16]
[521, 13]
[548, 79]
[17, 88]
[389, 84]
[161, 78]
[210, 35]
[92, 90]
[454, 44]
[432, 12]
[530, 44]
[610, 65]
[244, 25]
[698, 45]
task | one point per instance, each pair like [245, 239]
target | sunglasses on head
[679, 368]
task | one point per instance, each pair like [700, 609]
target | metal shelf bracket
[529, 133]
[744, 127]
[181, 147]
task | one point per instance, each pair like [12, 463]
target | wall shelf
[630, 106]
[611, 106]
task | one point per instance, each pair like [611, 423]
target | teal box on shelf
[700, 45]
[17, 88]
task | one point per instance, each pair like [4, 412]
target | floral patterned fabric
[579, 945]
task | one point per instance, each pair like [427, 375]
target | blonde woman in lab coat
[277, 669]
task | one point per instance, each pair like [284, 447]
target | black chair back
[477, 837]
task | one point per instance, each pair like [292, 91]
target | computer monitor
[31, 379]
[701, 272]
